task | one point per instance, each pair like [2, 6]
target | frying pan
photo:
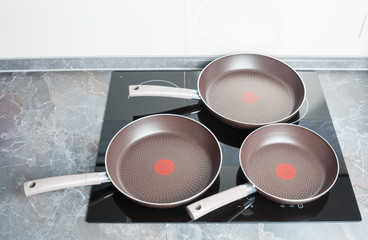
[158, 161]
[242, 90]
[285, 163]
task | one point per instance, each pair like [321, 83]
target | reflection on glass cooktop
[108, 205]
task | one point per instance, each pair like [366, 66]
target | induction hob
[108, 205]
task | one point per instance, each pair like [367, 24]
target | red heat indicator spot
[249, 97]
[285, 171]
[164, 167]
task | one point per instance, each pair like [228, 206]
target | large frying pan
[242, 90]
[159, 161]
[285, 163]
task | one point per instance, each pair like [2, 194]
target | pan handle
[61, 182]
[162, 91]
[211, 203]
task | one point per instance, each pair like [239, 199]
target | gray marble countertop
[50, 125]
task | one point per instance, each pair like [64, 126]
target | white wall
[76, 28]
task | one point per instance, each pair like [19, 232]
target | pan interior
[306, 175]
[163, 159]
[250, 97]
[189, 169]
[288, 163]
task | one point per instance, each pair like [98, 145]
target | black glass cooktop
[108, 205]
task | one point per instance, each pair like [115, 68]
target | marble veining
[347, 98]
[50, 125]
[166, 62]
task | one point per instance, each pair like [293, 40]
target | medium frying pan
[285, 163]
[242, 90]
[159, 161]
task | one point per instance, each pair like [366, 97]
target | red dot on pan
[285, 171]
[164, 167]
[249, 97]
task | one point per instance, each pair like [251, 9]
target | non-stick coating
[250, 90]
[163, 160]
[289, 164]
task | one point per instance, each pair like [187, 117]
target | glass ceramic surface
[108, 205]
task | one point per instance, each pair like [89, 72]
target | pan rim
[286, 200]
[168, 204]
[255, 125]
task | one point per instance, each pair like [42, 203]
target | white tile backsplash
[282, 27]
[43, 28]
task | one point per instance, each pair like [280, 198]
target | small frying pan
[159, 161]
[242, 90]
[285, 163]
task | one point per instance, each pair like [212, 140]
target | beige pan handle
[211, 203]
[162, 91]
[61, 182]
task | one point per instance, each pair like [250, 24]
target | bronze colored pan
[159, 161]
[242, 90]
[285, 163]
